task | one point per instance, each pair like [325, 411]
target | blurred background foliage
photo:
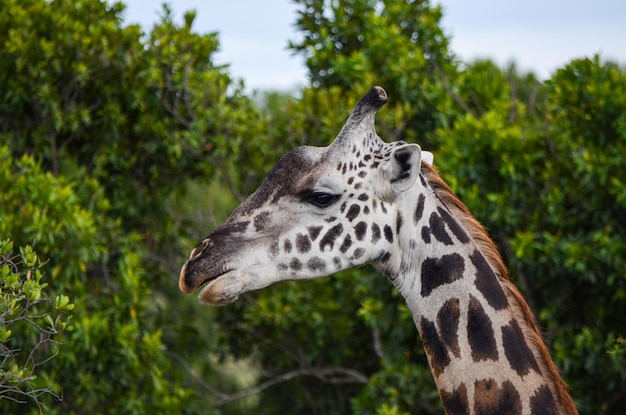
[120, 150]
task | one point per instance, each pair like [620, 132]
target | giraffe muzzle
[195, 272]
[193, 277]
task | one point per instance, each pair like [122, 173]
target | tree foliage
[106, 355]
[122, 149]
[30, 319]
[96, 116]
[355, 44]
[83, 92]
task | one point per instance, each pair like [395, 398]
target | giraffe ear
[403, 167]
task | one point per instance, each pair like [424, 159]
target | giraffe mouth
[207, 281]
[190, 281]
[220, 290]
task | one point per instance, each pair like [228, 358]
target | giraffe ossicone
[364, 201]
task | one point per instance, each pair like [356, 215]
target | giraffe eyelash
[320, 199]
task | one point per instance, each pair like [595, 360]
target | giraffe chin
[222, 290]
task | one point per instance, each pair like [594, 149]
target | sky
[538, 35]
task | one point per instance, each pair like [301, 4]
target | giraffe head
[319, 211]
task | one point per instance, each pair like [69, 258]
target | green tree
[124, 122]
[84, 93]
[107, 358]
[354, 44]
[29, 321]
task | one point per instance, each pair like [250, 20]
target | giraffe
[361, 200]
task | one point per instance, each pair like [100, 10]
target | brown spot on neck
[520, 310]
[491, 398]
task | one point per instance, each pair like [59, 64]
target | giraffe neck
[484, 348]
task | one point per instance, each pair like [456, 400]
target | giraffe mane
[520, 308]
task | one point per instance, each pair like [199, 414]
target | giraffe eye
[321, 199]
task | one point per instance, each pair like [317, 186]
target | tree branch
[331, 374]
[513, 88]
[446, 83]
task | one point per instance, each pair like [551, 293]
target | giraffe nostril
[199, 249]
